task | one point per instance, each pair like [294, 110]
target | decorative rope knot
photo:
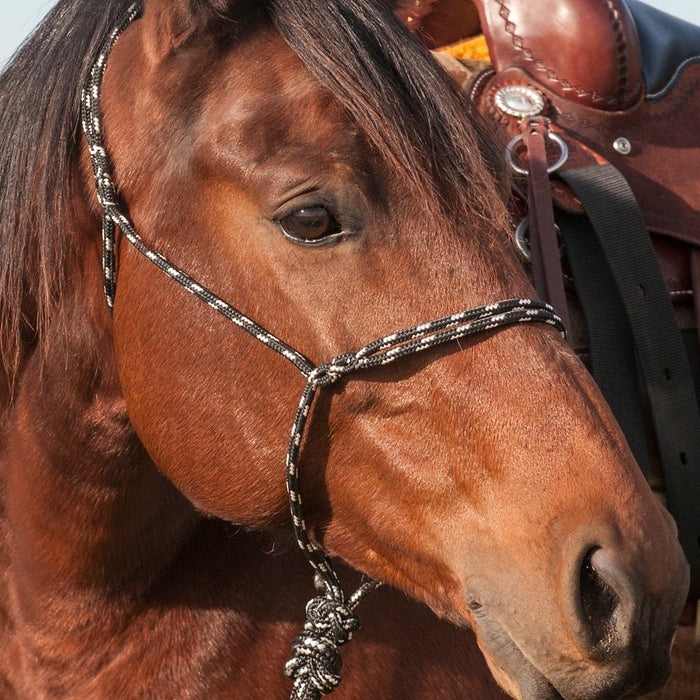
[315, 664]
[330, 372]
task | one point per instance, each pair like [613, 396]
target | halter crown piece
[330, 617]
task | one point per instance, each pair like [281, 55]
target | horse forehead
[264, 99]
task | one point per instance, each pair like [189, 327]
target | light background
[17, 19]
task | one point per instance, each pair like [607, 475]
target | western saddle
[596, 100]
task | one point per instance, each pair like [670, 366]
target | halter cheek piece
[315, 665]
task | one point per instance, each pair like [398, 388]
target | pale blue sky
[18, 18]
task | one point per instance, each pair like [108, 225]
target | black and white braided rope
[384, 351]
[331, 620]
[101, 166]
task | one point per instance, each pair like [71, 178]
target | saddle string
[315, 664]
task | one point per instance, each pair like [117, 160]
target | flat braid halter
[330, 617]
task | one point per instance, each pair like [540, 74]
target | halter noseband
[315, 665]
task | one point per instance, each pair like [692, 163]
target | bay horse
[307, 166]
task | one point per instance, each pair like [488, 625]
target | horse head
[311, 165]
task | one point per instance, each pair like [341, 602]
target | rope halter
[330, 617]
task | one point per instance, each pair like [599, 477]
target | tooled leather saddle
[603, 95]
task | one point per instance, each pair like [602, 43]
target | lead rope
[330, 617]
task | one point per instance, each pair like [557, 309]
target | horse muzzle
[610, 637]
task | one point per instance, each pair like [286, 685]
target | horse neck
[84, 507]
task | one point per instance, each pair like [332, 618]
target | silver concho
[519, 101]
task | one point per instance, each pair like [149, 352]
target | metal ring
[523, 244]
[520, 242]
[564, 156]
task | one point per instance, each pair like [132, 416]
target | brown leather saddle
[604, 94]
[623, 80]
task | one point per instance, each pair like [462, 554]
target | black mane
[39, 113]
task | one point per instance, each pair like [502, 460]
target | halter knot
[330, 372]
[315, 664]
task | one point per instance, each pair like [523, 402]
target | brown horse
[484, 477]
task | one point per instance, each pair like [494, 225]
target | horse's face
[487, 478]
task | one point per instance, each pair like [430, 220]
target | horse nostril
[599, 604]
[608, 601]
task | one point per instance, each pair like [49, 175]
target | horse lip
[506, 659]
[531, 683]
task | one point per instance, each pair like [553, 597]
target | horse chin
[522, 679]
[509, 666]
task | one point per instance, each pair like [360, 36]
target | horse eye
[310, 224]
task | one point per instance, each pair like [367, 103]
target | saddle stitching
[541, 65]
[621, 48]
[656, 115]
